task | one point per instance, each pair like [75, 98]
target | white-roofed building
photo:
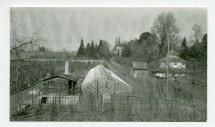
[101, 80]
[101, 86]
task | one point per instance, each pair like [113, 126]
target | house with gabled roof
[60, 89]
[176, 66]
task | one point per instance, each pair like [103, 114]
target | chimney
[67, 67]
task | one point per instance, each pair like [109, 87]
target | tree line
[153, 45]
[92, 50]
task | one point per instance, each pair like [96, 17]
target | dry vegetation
[148, 102]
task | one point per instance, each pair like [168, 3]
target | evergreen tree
[96, 51]
[42, 49]
[199, 50]
[204, 43]
[103, 50]
[80, 52]
[184, 49]
[204, 39]
[126, 51]
[99, 49]
[87, 50]
[184, 43]
[92, 50]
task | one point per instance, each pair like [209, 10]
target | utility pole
[168, 66]
[97, 99]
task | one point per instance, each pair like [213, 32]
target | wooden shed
[60, 89]
[139, 69]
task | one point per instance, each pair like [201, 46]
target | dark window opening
[70, 85]
[44, 100]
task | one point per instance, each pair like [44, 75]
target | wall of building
[140, 73]
[50, 89]
[159, 74]
[173, 65]
[118, 50]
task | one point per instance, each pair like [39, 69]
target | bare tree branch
[197, 33]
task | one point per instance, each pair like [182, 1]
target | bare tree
[18, 46]
[164, 27]
[197, 33]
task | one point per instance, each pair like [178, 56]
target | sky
[63, 28]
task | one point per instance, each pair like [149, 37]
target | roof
[139, 65]
[173, 53]
[102, 75]
[155, 65]
[63, 76]
[172, 59]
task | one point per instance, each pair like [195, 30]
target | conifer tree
[87, 50]
[184, 49]
[80, 52]
[92, 50]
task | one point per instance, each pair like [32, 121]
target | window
[33, 92]
[44, 100]
[183, 66]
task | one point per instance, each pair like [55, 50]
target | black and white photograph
[108, 64]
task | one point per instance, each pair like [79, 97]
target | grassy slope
[141, 89]
[144, 86]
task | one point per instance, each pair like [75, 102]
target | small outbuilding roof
[139, 65]
[173, 53]
[63, 76]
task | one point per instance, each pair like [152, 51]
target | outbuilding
[101, 85]
[139, 69]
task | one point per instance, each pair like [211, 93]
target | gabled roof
[100, 74]
[155, 65]
[63, 76]
[173, 53]
[173, 59]
[139, 65]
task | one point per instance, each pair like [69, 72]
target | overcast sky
[64, 27]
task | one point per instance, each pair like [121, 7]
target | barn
[139, 69]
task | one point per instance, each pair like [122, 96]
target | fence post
[97, 99]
